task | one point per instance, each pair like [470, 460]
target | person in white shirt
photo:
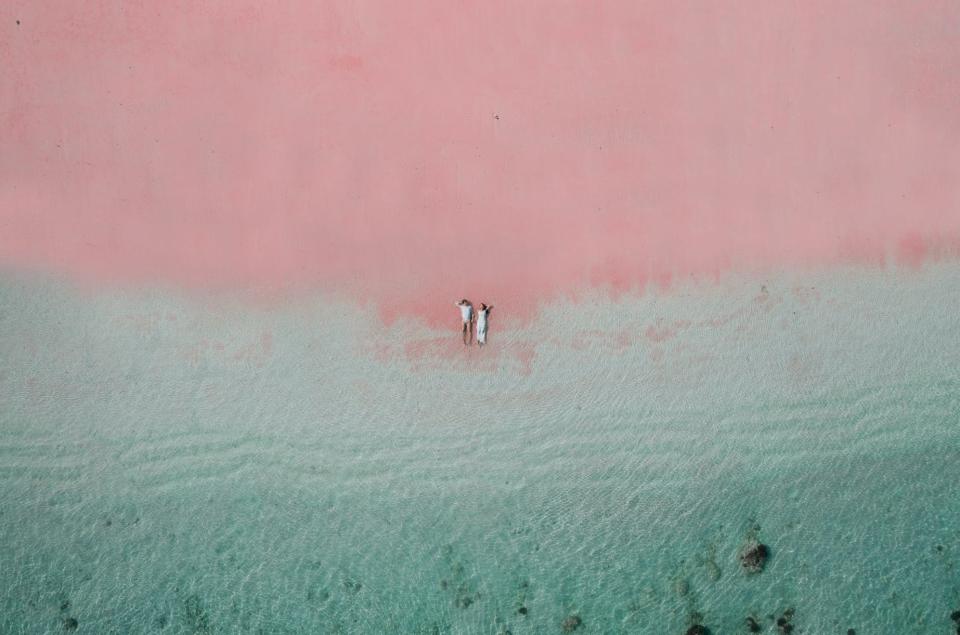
[466, 314]
[482, 316]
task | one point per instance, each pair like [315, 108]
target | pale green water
[181, 467]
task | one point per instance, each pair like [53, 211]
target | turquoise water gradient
[171, 465]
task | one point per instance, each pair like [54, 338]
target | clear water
[171, 465]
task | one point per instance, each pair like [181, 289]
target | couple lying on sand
[466, 312]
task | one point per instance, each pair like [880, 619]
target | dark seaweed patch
[464, 595]
[783, 622]
[195, 615]
[352, 585]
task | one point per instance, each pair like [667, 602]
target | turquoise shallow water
[173, 465]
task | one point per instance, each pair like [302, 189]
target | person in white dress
[466, 314]
[483, 315]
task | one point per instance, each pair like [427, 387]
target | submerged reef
[754, 553]
[753, 556]
[571, 623]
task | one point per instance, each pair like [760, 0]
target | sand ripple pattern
[191, 475]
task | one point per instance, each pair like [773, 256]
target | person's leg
[466, 327]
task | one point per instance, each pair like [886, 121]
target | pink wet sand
[411, 153]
